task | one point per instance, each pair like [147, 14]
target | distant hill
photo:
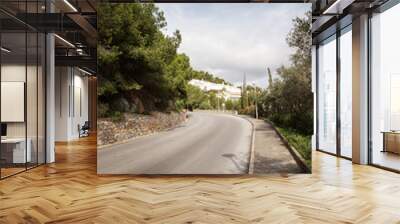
[201, 75]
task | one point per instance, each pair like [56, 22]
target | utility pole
[218, 102]
[244, 92]
[269, 78]
[255, 96]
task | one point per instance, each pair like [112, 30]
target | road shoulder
[270, 154]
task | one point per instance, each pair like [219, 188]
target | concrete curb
[293, 151]
[253, 136]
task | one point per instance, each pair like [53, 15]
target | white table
[19, 153]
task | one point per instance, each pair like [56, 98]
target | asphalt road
[208, 143]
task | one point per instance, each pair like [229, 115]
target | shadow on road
[263, 165]
[239, 163]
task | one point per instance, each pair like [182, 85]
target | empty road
[208, 143]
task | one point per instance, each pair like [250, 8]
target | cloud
[229, 40]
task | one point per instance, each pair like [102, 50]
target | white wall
[33, 126]
[80, 89]
[13, 101]
[71, 87]
[16, 73]
[62, 82]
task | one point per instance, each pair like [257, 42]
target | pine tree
[269, 78]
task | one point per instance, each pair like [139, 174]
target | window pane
[346, 94]
[327, 96]
[14, 153]
[386, 89]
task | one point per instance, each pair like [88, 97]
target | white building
[223, 90]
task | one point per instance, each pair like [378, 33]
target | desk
[391, 141]
[13, 150]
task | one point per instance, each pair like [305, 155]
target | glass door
[327, 95]
[14, 153]
[22, 77]
[346, 92]
[385, 89]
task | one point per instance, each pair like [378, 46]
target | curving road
[208, 143]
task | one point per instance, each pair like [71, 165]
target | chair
[84, 130]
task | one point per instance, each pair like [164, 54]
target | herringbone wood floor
[69, 191]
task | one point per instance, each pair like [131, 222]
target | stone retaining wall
[134, 125]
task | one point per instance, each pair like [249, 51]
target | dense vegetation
[301, 142]
[140, 69]
[288, 100]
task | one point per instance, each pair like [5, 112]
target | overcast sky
[229, 40]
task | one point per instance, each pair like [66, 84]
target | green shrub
[250, 110]
[301, 142]
[205, 105]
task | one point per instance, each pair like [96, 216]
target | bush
[250, 110]
[116, 116]
[301, 142]
[205, 105]
[180, 105]
[232, 105]
[303, 123]
[229, 105]
[102, 109]
[288, 101]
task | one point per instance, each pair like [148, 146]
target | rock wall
[134, 125]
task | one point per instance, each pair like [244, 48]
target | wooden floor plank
[70, 191]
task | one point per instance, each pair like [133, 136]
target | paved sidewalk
[270, 153]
